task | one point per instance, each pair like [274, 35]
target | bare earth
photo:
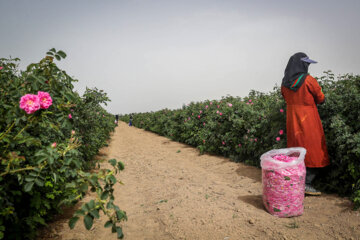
[172, 192]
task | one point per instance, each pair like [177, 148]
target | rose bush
[46, 148]
[245, 128]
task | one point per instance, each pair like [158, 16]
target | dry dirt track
[172, 192]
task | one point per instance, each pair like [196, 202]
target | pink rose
[1, 68]
[53, 145]
[210, 103]
[281, 132]
[207, 106]
[220, 113]
[73, 131]
[30, 103]
[250, 101]
[218, 106]
[198, 116]
[204, 124]
[70, 116]
[239, 144]
[200, 112]
[230, 105]
[217, 111]
[203, 141]
[278, 139]
[45, 100]
[223, 143]
[281, 110]
[255, 139]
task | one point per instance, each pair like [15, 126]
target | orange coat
[303, 125]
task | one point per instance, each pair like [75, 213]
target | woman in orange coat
[303, 125]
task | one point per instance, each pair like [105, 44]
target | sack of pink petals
[283, 181]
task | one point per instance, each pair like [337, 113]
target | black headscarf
[295, 69]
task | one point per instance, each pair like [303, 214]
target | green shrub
[44, 154]
[250, 126]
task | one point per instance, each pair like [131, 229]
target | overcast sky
[149, 55]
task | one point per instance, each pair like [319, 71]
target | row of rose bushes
[49, 135]
[245, 128]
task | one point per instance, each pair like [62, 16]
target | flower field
[245, 128]
[47, 150]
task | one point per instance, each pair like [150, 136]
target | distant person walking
[130, 120]
[303, 125]
[116, 119]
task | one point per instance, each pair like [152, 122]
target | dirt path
[172, 192]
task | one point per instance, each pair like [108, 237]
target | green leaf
[62, 54]
[72, 222]
[29, 179]
[95, 213]
[85, 207]
[119, 231]
[109, 205]
[50, 53]
[70, 185]
[120, 214]
[112, 179]
[88, 221]
[277, 210]
[52, 50]
[28, 186]
[121, 166]
[108, 224]
[104, 195]
[55, 177]
[287, 178]
[91, 204]
[39, 182]
[51, 160]
[112, 162]
[79, 212]
[84, 187]
[57, 57]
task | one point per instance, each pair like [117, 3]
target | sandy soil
[172, 192]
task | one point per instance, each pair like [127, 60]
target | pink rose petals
[283, 180]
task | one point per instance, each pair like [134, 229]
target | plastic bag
[283, 181]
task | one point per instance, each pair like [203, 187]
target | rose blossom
[281, 132]
[281, 110]
[53, 145]
[70, 116]
[1, 68]
[30, 103]
[223, 143]
[278, 139]
[45, 100]
[230, 105]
